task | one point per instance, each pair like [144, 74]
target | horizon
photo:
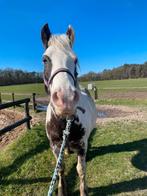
[79, 75]
[108, 34]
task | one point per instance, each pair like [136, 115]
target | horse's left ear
[71, 35]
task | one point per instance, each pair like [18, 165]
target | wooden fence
[13, 97]
[35, 100]
[20, 122]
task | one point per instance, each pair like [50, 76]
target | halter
[49, 82]
[61, 70]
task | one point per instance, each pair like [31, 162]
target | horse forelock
[60, 41]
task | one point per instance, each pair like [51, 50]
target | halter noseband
[47, 83]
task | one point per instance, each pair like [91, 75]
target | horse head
[60, 71]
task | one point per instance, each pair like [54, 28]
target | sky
[108, 33]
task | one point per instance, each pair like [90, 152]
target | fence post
[34, 101]
[95, 92]
[26, 106]
[0, 98]
[13, 99]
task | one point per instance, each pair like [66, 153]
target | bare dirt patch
[108, 113]
[123, 95]
[8, 117]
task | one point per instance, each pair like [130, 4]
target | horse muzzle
[64, 104]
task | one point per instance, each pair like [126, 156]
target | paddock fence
[36, 100]
[26, 119]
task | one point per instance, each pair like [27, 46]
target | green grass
[128, 84]
[116, 162]
[107, 87]
[126, 102]
[140, 83]
[22, 89]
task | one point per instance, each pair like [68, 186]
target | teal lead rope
[60, 157]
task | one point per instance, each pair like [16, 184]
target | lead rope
[60, 157]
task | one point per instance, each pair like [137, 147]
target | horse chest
[55, 129]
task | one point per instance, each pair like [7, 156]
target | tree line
[125, 71]
[12, 76]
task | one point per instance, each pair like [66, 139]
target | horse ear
[45, 35]
[71, 35]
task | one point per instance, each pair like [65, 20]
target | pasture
[117, 156]
[22, 91]
[116, 92]
[116, 162]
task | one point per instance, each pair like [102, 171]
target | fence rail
[20, 122]
[37, 103]
[13, 96]
[35, 100]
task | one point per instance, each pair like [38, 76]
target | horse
[66, 99]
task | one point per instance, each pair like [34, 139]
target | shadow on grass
[25, 181]
[139, 161]
[121, 187]
[71, 179]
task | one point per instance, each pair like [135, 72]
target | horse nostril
[58, 98]
[76, 96]
[55, 97]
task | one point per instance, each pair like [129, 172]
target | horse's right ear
[45, 35]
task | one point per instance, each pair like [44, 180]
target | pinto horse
[66, 99]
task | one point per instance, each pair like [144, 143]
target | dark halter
[61, 70]
[58, 71]
[49, 82]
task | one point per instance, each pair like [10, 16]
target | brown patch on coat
[55, 129]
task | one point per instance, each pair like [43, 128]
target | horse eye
[44, 60]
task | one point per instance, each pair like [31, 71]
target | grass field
[116, 162]
[25, 89]
[106, 91]
[128, 84]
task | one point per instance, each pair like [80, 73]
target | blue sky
[109, 33]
